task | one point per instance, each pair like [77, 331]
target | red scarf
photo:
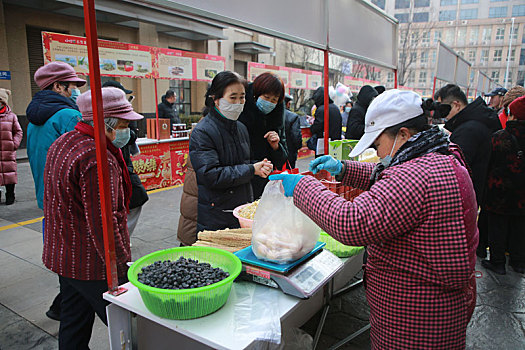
[3, 109]
[88, 130]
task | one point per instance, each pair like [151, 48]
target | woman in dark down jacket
[220, 155]
[263, 115]
[505, 193]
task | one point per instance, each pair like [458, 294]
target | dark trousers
[9, 190]
[81, 300]
[506, 231]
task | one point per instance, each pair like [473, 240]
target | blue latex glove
[327, 163]
[289, 182]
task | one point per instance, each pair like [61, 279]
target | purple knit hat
[56, 71]
[114, 103]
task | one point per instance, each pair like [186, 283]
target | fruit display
[248, 212]
[180, 274]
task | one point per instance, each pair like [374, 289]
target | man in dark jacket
[471, 126]
[334, 118]
[167, 108]
[139, 196]
[294, 139]
[355, 128]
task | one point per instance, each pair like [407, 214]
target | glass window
[518, 10]
[421, 3]
[402, 17]
[514, 33]
[424, 57]
[390, 77]
[449, 36]
[461, 53]
[498, 12]
[379, 3]
[474, 33]
[468, 14]
[462, 35]
[497, 55]
[425, 38]
[183, 90]
[522, 57]
[500, 33]
[447, 15]
[484, 56]
[434, 55]
[414, 39]
[469, 1]
[472, 56]
[413, 56]
[420, 17]
[512, 54]
[495, 75]
[411, 78]
[422, 77]
[437, 36]
[487, 34]
[448, 2]
[402, 4]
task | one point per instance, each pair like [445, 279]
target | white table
[215, 331]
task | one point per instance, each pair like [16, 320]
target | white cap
[388, 109]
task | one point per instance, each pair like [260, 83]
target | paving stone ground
[27, 287]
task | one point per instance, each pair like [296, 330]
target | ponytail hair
[217, 87]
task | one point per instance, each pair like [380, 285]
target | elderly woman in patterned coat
[10, 138]
[417, 217]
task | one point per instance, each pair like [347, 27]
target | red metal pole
[100, 142]
[434, 88]
[395, 78]
[157, 110]
[326, 107]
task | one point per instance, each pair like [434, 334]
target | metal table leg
[350, 337]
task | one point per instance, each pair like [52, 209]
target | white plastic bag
[281, 232]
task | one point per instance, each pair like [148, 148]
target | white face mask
[230, 110]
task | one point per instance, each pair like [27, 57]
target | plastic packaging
[281, 232]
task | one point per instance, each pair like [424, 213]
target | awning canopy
[130, 14]
[252, 47]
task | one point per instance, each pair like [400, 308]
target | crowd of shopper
[418, 215]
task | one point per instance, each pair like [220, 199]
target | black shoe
[499, 269]
[518, 268]
[481, 252]
[52, 314]
[9, 199]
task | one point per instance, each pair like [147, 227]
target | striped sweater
[73, 240]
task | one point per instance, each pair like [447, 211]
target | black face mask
[443, 109]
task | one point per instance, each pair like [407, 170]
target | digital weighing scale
[301, 278]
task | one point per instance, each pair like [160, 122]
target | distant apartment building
[478, 30]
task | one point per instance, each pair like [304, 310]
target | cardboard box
[340, 149]
[164, 128]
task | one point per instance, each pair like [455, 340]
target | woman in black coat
[220, 155]
[263, 115]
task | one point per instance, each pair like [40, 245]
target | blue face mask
[265, 106]
[122, 137]
[74, 94]
[388, 159]
[347, 109]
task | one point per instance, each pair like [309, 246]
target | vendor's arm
[356, 174]
[386, 211]
[210, 172]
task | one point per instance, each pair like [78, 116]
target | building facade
[487, 33]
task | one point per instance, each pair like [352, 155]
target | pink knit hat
[56, 71]
[114, 103]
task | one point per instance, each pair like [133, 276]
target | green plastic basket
[183, 304]
[338, 249]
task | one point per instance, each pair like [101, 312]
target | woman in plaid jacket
[418, 219]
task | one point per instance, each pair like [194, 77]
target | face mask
[74, 94]
[265, 106]
[122, 137]
[388, 159]
[347, 109]
[230, 110]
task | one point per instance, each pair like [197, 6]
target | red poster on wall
[153, 165]
[179, 160]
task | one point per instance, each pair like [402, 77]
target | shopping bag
[281, 233]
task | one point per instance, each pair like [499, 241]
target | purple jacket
[10, 138]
